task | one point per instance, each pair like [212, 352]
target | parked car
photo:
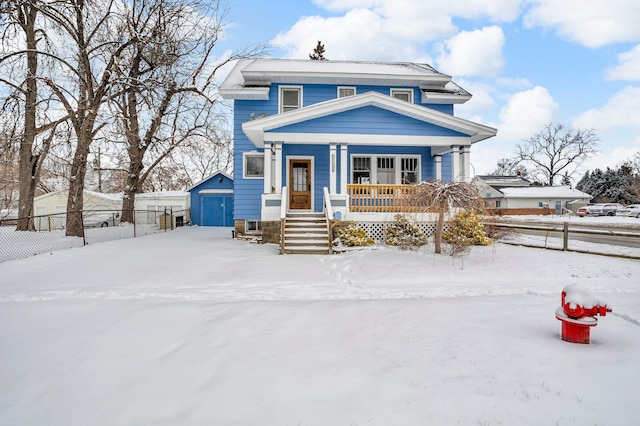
[100, 219]
[606, 209]
[632, 210]
[583, 211]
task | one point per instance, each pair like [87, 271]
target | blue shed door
[217, 210]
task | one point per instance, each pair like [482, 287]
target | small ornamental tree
[405, 234]
[439, 196]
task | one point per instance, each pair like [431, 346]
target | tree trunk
[439, 228]
[75, 202]
[130, 190]
[28, 167]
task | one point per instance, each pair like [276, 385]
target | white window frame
[281, 98]
[373, 172]
[346, 88]
[256, 226]
[395, 92]
[255, 154]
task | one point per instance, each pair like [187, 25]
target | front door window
[300, 184]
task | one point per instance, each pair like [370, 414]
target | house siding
[368, 121]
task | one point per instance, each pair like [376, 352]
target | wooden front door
[300, 184]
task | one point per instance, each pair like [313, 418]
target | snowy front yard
[191, 327]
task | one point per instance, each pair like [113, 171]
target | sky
[526, 62]
[192, 327]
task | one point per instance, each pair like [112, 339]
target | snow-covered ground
[191, 327]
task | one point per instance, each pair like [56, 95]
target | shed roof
[545, 192]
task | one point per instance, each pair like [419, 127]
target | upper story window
[402, 94]
[343, 91]
[290, 98]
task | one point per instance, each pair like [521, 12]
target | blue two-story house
[345, 138]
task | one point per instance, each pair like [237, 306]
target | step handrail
[328, 214]
[284, 206]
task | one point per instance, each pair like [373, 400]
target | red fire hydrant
[577, 313]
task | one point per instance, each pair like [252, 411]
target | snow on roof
[255, 75]
[105, 196]
[162, 194]
[544, 192]
[503, 180]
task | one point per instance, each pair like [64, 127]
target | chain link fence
[48, 232]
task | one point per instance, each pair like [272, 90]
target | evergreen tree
[318, 53]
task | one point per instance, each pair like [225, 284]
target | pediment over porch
[345, 120]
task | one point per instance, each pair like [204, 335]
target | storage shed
[212, 201]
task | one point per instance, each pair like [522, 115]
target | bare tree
[95, 42]
[510, 167]
[557, 150]
[26, 102]
[441, 196]
[165, 97]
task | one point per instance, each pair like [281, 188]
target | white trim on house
[215, 191]
[209, 177]
[256, 130]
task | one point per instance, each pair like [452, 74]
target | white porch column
[267, 168]
[332, 168]
[466, 163]
[438, 166]
[343, 168]
[455, 163]
[278, 167]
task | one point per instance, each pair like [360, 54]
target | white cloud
[628, 67]
[495, 10]
[476, 53]
[526, 113]
[482, 100]
[387, 29]
[359, 34]
[593, 23]
[621, 110]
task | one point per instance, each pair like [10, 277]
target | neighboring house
[516, 193]
[212, 201]
[54, 206]
[489, 187]
[152, 204]
[365, 131]
[555, 198]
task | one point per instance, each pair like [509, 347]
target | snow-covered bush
[465, 229]
[405, 234]
[353, 236]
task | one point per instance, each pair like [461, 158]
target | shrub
[354, 236]
[404, 234]
[465, 229]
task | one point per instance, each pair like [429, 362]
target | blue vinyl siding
[247, 200]
[368, 121]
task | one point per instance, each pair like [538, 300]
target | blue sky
[527, 62]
